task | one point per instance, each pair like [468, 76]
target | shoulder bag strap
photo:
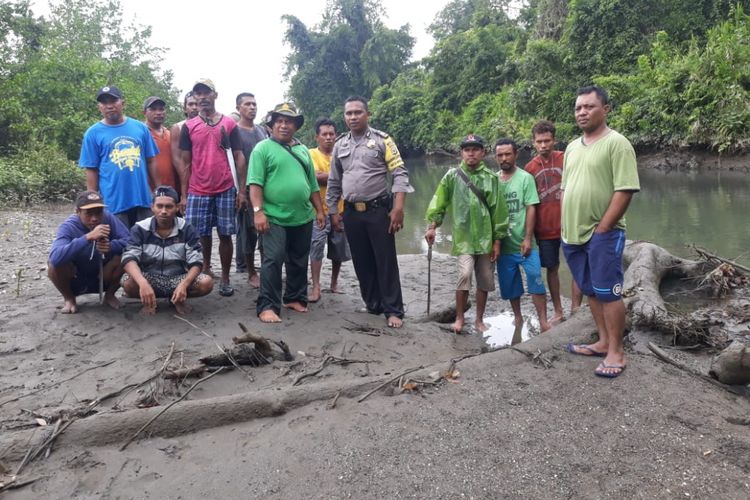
[474, 189]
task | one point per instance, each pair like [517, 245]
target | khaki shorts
[479, 265]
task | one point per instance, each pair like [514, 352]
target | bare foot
[269, 316]
[253, 280]
[112, 301]
[334, 287]
[70, 306]
[296, 306]
[557, 318]
[209, 272]
[481, 326]
[315, 294]
[395, 322]
[543, 327]
[182, 307]
[458, 325]
[148, 311]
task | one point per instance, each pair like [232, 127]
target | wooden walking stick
[429, 276]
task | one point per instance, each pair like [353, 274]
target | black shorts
[549, 252]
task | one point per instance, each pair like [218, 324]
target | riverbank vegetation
[50, 68]
[678, 71]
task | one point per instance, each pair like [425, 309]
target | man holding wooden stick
[479, 213]
[85, 256]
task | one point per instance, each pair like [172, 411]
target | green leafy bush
[40, 173]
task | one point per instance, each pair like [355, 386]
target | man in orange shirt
[547, 168]
[154, 109]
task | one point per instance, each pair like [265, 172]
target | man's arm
[256, 198]
[92, 179]
[146, 292]
[174, 146]
[187, 164]
[153, 172]
[240, 163]
[322, 178]
[318, 205]
[618, 205]
[528, 230]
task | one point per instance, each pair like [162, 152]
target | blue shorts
[549, 253]
[596, 265]
[205, 212]
[509, 275]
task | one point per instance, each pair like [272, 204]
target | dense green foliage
[50, 70]
[678, 72]
[351, 52]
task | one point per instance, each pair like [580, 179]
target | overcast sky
[238, 43]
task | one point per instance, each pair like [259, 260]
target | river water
[710, 209]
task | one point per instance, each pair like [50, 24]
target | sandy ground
[504, 428]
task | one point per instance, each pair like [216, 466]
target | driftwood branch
[223, 351]
[388, 382]
[153, 419]
[708, 255]
[667, 359]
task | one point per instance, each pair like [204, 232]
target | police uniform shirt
[359, 169]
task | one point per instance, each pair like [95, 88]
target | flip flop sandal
[226, 290]
[619, 369]
[587, 351]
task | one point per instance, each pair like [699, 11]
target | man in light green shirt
[478, 224]
[519, 246]
[599, 178]
[285, 198]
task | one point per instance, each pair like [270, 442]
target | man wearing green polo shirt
[286, 198]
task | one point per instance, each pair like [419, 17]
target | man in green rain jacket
[477, 206]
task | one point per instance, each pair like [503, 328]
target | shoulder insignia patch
[380, 133]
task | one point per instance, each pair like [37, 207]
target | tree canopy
[677, 71]
[50, 70]
[351, 52]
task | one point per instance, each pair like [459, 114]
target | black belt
[364, 206]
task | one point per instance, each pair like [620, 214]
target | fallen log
[647, 266]
[732, 365]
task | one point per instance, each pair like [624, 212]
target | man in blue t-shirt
[118, 155]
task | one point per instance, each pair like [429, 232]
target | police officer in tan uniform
[360, 162]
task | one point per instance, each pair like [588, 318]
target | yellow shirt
[322, 164]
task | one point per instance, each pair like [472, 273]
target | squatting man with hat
[286, 199]
[472, 195]
[163, 258]
[87, 238]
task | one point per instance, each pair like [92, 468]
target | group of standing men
[242, 179]
[231, 173]
[518, 219]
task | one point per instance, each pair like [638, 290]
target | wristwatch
[257, 209]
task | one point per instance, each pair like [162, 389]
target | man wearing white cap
[209, 179]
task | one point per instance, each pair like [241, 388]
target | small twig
[332, 404]
[101, 365]
[387, 382]
[223, 351]
[49, 448]
[14, 483]
[152, 419]
[320, 368]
